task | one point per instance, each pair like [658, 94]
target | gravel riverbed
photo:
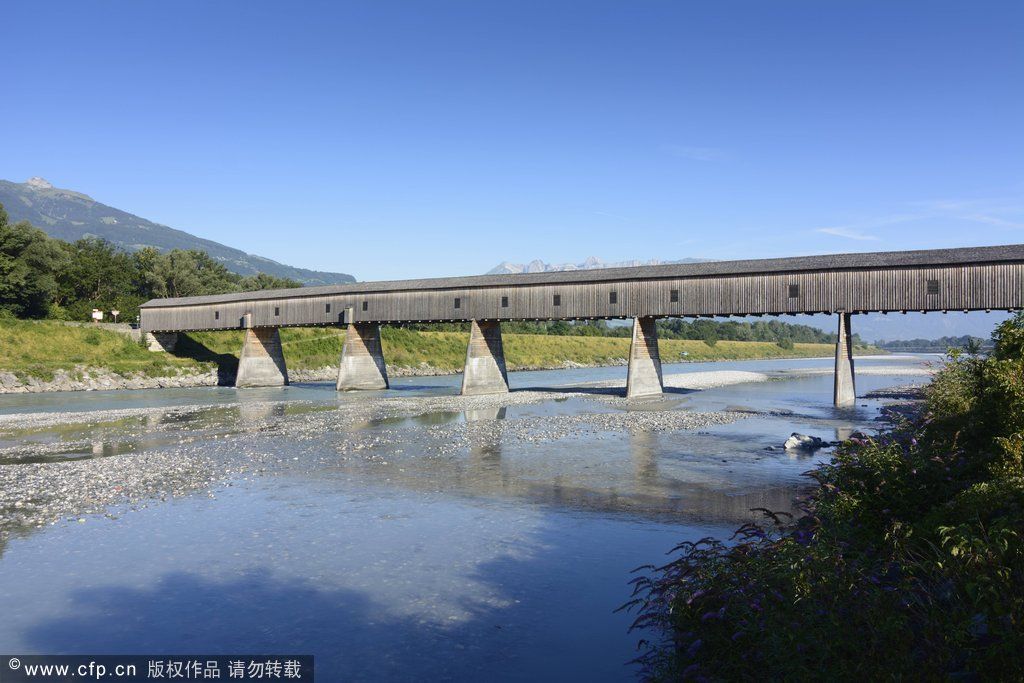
[64, 466]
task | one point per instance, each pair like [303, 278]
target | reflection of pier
[484, 457]
[485, 414]
[642, 446]
[252, 413]
[493, 462]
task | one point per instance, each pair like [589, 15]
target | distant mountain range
[70, 216]
[538, 266]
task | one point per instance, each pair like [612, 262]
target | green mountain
[71, 215]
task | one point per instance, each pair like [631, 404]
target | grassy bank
[310, 348]
[40, 348]
[908, 564]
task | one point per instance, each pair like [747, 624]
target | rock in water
[802, 442]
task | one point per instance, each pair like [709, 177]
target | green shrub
[912, 545]
[57, 312]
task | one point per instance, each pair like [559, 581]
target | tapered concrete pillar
[845, 392]
[644, 378]
[362, 359]
[485, 360]
[262, 361]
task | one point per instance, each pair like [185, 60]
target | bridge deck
[974, 278]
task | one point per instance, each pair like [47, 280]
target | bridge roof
[868, 260]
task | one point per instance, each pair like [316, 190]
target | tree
[559, 327]
[98, 271]
[28, 263]
[189, 273]
[259, 281]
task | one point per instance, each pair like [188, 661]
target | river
[398, 535]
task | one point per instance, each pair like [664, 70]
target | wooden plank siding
[962, 285]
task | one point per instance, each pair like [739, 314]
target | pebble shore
[101, 379]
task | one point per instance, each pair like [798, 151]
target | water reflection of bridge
[492, 463]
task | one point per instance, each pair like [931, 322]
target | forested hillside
[71, 216]
[43, 277]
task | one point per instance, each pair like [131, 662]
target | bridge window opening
[216, 315]
[613, 297]
[328, 308]
[673, 296]
[933, 286]
[558, 300]
[366, 305]
[504, 302]
[277, 311]
[458, 302]
[794, 291]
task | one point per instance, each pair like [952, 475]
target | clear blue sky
[438, 138]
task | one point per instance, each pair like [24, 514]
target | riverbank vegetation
[940, 345]
[908, 562]
[707, 330]
[40, 348]
[314, 348]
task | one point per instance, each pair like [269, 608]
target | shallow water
[397, 545]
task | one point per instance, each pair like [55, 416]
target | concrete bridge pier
[845, 392]
[161, 341]
[485, 360]
[262, 361]
[644, 376]
[362, 359]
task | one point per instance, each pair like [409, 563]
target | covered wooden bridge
[976, 278]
